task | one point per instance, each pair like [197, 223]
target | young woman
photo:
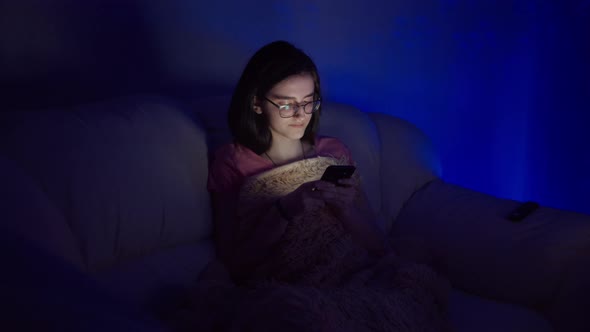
[274, 117]
[307, 246]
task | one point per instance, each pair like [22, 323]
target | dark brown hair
[268, 66]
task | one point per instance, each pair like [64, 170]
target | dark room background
[501, 87]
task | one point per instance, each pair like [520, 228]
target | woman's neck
[285, 151]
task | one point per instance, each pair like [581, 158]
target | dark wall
[60, 52]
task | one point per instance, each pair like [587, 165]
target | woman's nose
[299, 112]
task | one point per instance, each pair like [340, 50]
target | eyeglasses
[289, 110]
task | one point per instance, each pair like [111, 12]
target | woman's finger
[341, 190]
[310, 189]
[323, 185]
[313, 201]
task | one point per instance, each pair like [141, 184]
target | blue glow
[502, 87]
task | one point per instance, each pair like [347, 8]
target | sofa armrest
[541, 262]
[27, 211]
[408, 160]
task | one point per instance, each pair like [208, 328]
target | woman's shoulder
[329, 142]
[231, 152]
[223, 157]
[239, 158]
[230, 163]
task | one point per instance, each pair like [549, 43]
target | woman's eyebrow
[291, 98]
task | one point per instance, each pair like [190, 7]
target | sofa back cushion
[408, 162]
[129, 175]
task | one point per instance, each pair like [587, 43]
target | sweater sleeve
[242, 241]
[224, 175]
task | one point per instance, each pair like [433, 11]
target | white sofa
[118, 189]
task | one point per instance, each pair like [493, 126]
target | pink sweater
[245, 253]
[233, 163]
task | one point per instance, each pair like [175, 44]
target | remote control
[522, 211]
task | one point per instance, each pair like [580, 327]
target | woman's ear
[256, 106]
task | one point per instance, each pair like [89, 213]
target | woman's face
[296, 89]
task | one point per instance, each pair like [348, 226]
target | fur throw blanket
[320, 279]
[315, 249]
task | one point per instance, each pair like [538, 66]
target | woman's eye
[286, 107]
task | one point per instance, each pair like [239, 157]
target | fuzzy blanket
[320, 279]
[315, 249]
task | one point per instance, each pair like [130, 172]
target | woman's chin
[295, 132]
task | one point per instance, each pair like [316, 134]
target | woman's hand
[342, 197]
[360, 222]
[317, 194]
[307, 197]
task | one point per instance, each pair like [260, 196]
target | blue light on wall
[481, 78]
[502, 87]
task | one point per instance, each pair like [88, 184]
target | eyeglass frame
[298, 105]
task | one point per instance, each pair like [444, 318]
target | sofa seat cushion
[486, 254]
[158, 282]
[43, 292]
[470, 313]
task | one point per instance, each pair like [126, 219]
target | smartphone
[334, 173]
